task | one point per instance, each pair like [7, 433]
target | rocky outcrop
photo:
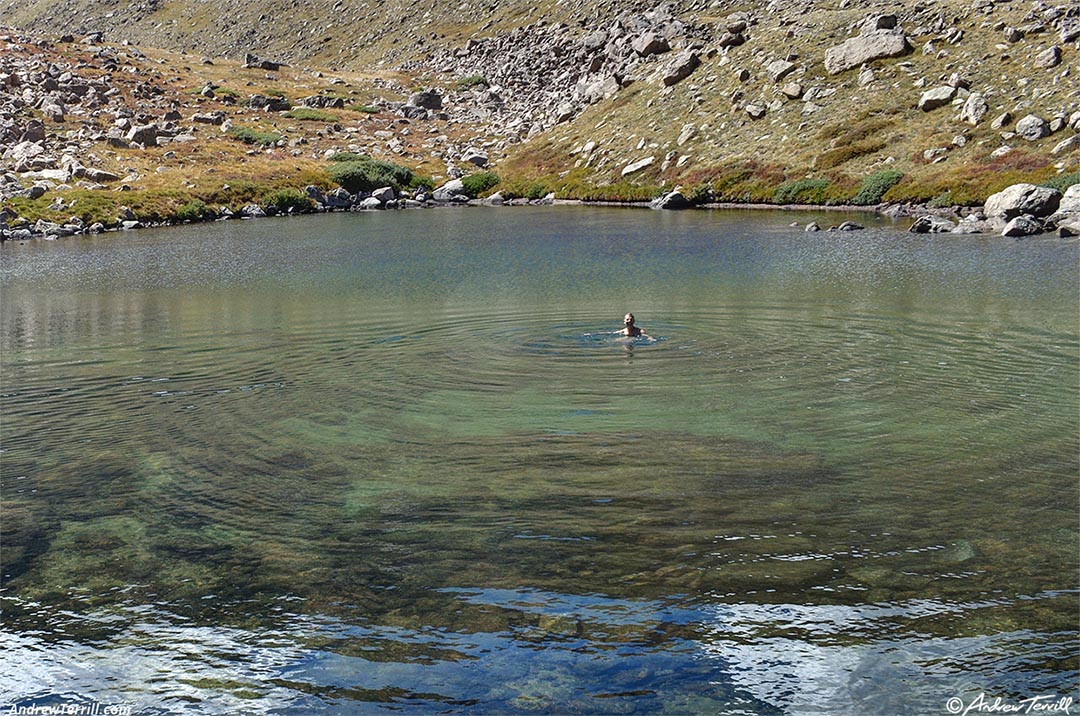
[1021, 209]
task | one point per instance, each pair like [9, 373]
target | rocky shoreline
[1019, 211]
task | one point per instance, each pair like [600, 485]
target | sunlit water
[401, 462]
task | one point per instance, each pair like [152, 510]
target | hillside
[788, 101]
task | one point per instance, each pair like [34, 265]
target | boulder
[338, 199]
[144, 134]
[428, 99]
[680, 68]
[251, 60]
[1023, 226]
[320, 101]
[1002, 120]
[1018, 200]
[100, 175]
[937, 97]
[475, 157]
[270, 104]
[779, 69]
[1070, 201]
[449, 190]
[731, 39]
[975, 109]
[931, 225]
[384, 194]
[369, 203]
[1048, 58]
[1032, 128]
[867, 47]
[850, 226]
[792, 90]
[637, 166]
[755, 110]
[601, 89]
[650, 43]
[812, 227]
[671, 200]
[1067, 145]
[252, 211]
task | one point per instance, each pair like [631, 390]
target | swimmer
[629, 328]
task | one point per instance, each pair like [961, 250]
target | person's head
[628, 319]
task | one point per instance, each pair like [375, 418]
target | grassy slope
[857, 131]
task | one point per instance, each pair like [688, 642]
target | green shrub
[194, 210]
[874, 187]
[802, 191]
[1062, 181]
[288, 201]
[368, 175]
[227, 93]
[699, 194]
[479, 183]
[309, 114]
[365, 108]
[349, 157]
[247, 135]
[472, 81]
[941, 201]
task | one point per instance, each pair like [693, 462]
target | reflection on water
[379, 462]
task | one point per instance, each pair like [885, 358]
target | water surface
[401, 462]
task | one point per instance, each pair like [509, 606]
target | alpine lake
[402, 462]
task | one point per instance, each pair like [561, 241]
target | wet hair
[628, 317]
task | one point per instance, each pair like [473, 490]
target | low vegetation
[479, 184]
[247, 135]
[365, 175]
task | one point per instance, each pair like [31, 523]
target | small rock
[755, 110]
[850, 226]
[779, 69]
[812, 226]
[637, 166]
[937, 97]
[1022, 226]
[1002, 120]
[931, 225]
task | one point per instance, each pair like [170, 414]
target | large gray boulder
[1032, 128]
[867, 47]
[1018, 200]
